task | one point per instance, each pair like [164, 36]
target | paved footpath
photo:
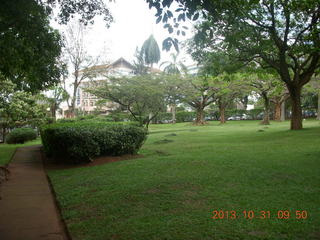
[27, 207]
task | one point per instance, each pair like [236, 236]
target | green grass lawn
[7, 150]
[187, 173]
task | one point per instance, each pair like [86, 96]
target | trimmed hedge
[82, 141]
[21, 135]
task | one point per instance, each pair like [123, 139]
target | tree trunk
[53, 109]
[173, 111]
[283, 111]
[277, 114]
[200, 116]
[222, 114]
[318, 114]
[266, 120]
[296, 115]
[245, 102]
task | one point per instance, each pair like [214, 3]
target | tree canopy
[151, 51]
[139, 95]
[283, 35]
[29, 46]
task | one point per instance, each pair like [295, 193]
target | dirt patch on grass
[162, 153]
[163, 141]
[56, 164]
[171, 135]
[257, 233]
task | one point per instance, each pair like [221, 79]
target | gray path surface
[27, 208]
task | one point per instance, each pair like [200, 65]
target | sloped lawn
[187, 173]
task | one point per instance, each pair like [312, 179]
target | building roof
[120, 63]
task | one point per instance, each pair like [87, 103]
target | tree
[151, 51]
[172, 85]
[18, 108]
[29, 46]
[279, 100]
[223, 78]
[55, 97]
[139, 65]
[81, 62]
[227, 87]
[267, 86]
[313, 89]
[139, 95]
[87, 10]
[198, 93]
[172, 78]
[175, 66]
[283, 35]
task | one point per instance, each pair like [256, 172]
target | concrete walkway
[27, 208]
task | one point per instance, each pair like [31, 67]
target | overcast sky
[133, 24]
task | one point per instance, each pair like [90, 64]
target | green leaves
[151, 50]
[81, 141]
[29, 46]
[140, 95]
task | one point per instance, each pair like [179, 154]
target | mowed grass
[187, 173]
[7, 150]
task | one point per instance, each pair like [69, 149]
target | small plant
[21, 135]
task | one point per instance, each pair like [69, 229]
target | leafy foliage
[21, 135]
[87, 9]
[283, 35]
[82, 141]
[18, 108]
[151, 51]
[140, 95]
[29, 46]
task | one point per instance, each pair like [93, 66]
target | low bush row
[82, 141]
[21, 135]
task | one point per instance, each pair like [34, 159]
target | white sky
[133, 24]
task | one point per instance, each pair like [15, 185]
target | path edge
[56, 202]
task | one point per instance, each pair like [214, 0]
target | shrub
[21, 135]
[185, 116]
[82, 141]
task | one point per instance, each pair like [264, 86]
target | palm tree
[174, 66]
[151, 51]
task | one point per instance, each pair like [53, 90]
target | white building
[85, 101]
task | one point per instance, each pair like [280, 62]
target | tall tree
[139, 65]
[175, 66]
[172, 85]
[17, 108]
[79, 59]
[173, 69]
[29, 46]
[283, 35]
[55, 96]
[151, 51]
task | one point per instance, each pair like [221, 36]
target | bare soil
[56, 164]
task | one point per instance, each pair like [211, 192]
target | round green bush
[82, 141]
[21, 135]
